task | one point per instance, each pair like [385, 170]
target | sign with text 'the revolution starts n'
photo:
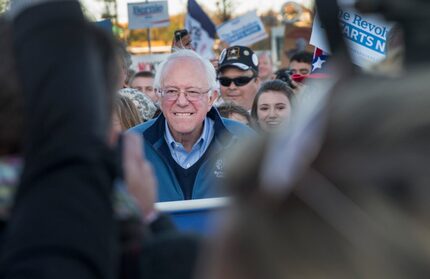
[366, 36]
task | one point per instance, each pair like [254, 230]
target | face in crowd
[186, 97]
[301, 68]
[182, 40]
[264, 67]
[238, 86]
[145, 85]
[273, 108]
[185, 42]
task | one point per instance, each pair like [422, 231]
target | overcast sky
[179, 6]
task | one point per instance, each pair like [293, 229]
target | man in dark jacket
[185, 143]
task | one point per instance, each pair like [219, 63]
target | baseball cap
[239, 57]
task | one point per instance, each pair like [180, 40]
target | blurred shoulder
[141, 128]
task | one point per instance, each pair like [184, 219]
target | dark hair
[124, 59]
[284, 75]
[226, 109]
[11, 98]
[271, 85]
[178, 43]
[112, 62]
[143, 74]
[303, 56]
[179, 34]
[124, 55]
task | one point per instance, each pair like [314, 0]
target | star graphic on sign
[318, 64]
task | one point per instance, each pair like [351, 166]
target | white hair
[210, 72]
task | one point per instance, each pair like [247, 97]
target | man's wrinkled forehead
[177, 62]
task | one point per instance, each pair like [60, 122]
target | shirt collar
[174, 144]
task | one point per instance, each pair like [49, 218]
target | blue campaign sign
[148, 14]
[244, 30]
[366, 36]
[363, 38]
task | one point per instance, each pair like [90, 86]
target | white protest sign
[202, 42]
[148, 14]
[244, 30]
[202, 29]
[366, 36]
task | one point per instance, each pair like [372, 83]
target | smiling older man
[184, 144]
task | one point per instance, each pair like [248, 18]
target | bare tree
[224, 10]
[110, 9]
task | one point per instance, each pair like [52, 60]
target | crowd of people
[239, 79]
[87, 149]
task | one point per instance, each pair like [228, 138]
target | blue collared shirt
[180, 155]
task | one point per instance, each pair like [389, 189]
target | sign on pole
[148, 14]
[244, 30]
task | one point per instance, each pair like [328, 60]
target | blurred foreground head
[358, 207]
[358, 210]
[11, 118]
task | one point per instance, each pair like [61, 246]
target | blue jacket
[227, 132]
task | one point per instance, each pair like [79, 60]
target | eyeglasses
[238, 81]
[172, 94]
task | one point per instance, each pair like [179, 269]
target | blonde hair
[127, 112]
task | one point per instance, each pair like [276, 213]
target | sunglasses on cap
[238, 81]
